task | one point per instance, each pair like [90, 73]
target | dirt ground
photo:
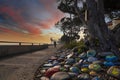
[24, 66]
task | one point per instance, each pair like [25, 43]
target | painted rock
[103, 54]
[44, 78]
[92, 59]
[82, 55]
[91, 53]
[70, 56]
[96, 78]
[67, 66]
[95, 67]
[48, 65]
[108, 63]
[63, 69]
[84, 69]
[55, 62]
[83, 76]
[93, 73]
[72, 75]
[111, 58]
[51, 71]
[53, 58]
[70, 61]
[97, 62]
[75, 70]
[60, 76]
[114, 71]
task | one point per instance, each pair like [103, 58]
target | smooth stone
[53, 58]
[97, 62]
[60, 76]
[92, 59]
[51, 71]
[93, 73]
[108, 64]
[70, 61]
[114, 71]
[83, 76]
[96, 78]
[48, 65]
[70, 56]
[91, 53]
[77, 65]
[75, 70]
[95, 67]
[85, 65]
[84, 69]
[63, 69]
[103, 54]
[55, 62]
[82, 55]
[111, 58]
[44, 78]
[67, 66]
[72, 75]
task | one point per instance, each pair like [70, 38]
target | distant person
[51, 39]
[55, 44]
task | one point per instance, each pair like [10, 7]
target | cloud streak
[42, 13]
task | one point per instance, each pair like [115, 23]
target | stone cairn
[71, 65]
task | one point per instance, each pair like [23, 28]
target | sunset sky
[29, 20]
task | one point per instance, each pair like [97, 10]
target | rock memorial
[71, 65]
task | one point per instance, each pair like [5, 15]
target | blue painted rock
[91, 53]
[72, 75]
[75, 70]
[55, 62]
[92, 59]
[111, 58]
[108, 64]
[70, 61]
[95, 67]
[114, 71]
[96, 78]
[83, 76]
[61, 76]
[82, 55]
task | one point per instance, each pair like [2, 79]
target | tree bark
[98, 28]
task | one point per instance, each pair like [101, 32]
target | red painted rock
[51, 71]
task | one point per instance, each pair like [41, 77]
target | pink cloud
[17, 17]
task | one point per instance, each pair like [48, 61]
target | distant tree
[91, 13]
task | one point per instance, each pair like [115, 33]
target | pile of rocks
[71, 65]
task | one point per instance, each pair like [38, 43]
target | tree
[95, 22]
[70, 28]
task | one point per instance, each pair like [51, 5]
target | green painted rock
[91, 53]
[114, 71]
[95, 67]
[84, 69]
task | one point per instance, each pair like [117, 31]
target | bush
[80, 45]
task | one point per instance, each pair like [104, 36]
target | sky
[29, 20]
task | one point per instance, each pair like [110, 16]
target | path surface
[23, 67]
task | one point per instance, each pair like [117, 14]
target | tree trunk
[98, 28]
